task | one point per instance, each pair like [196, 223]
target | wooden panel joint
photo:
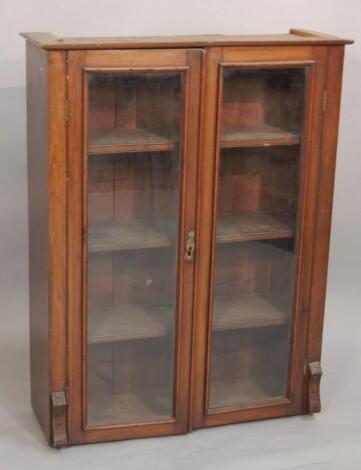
[59, 403]
[66, 110]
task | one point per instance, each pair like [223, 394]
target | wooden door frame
[132, 60]
[315, 58]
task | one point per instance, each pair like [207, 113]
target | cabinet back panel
[255, 97]
[263, 179]
[130, 101]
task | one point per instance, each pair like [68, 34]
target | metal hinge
[59, 404]
[324, 102]
[313, 371]
[66, 110]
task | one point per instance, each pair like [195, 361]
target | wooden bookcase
[180, 194]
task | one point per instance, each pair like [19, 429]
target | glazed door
[133, 133]
[250, 359]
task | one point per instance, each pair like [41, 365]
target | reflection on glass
[258, 185]
[133, 185]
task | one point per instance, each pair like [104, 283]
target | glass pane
[133, 197]
[258, 186]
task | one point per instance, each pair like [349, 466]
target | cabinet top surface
[294, 37]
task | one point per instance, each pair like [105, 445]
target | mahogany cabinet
[180, 194]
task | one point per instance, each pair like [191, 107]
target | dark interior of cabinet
[133, 185]
[262, 107]
[252, 314]
[257, 203]
[133, 112]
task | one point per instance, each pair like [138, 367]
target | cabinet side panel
[37, 145]
[325, 198]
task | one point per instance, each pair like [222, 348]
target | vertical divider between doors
[217, 163]
[196, 64]
[205, 184]
[179, 412]
[195, 182]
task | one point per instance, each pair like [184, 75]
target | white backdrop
[158, 17]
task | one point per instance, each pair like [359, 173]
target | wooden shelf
[242, 392]
[247, 311]
[128, 141]
[134, 235]
[106, 408]
[245, 226]
[258, 136]
[115, 236]
[129, 322]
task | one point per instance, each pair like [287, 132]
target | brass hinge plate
[59, 403]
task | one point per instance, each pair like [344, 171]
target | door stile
[213, 231]
[75, 139]
[306, 226]
[206, 172]
[329, 129]
[85, 217]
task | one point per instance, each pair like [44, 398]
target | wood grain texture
[243, 392]
[129, 407]
[37, 147]
[57, 197]
[248, 225]
[129, 322]
[295, 37]
[134, 235]
[309, 34]
[325, 186]
[307, 217]
[128, 141]
[75, 253]
[205, 195]
[115, 236]
[248, 311]
[47, 222]
[258, 136]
